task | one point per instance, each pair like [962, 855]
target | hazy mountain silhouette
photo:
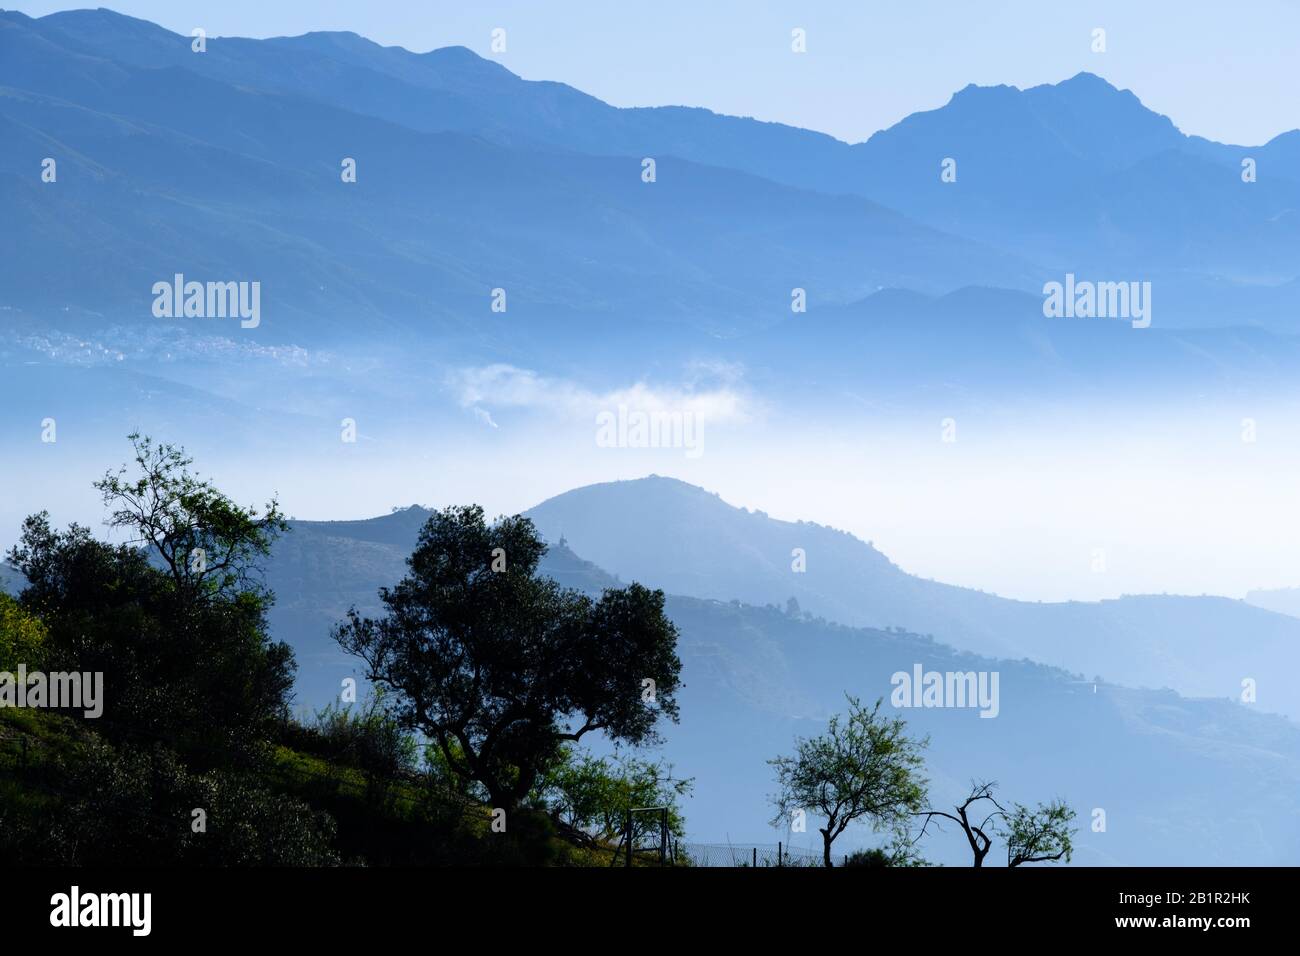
[471, 178]
[167, 169]
[1281, 600]
[1166, 770]
[678, 537]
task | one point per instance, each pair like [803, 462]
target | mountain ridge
[1024, 157]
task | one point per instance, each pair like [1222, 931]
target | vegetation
[1039, 835]
[486, 680]
[590, 796]
[22, 636]
[182, 643]
[501, 668]
[863, 767]
[196, 760]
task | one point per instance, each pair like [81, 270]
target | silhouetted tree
[180, 638]
[1038, 835]
[864, 766]
[209, 545]
[977, 834]
[500, 667]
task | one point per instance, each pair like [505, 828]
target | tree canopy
[864, 767]
[180, 638]
[500, 667]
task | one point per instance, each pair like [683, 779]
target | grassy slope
[398, 824]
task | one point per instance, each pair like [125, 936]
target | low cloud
[716, 399]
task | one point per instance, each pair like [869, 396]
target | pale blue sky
[1218, 69]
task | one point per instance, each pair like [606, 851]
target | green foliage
[498, 667]
[873, 858]
[369, 738]
[1039, 835]
[135, 806]
[593, 794]
[22, 637]
[864, 766]
[208, 544]
[197, 694]
[897, 854]
[184, 651]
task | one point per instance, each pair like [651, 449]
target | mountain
[978, 344]
[1139, 197]
[471, 178]
[671, 535]
[1165, 770]
[167, 169]
[11, 580]
[1281, 600]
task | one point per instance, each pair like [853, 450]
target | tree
[209, 545]
[499, 667]
[1038, 835]
[182, 643]
[864, 766]
[977, 834]
[134, 806]
[22, 637]
[368, 738]
[591, 795]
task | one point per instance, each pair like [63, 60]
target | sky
[1046, 503]
[1172, 509]
[1217, 69]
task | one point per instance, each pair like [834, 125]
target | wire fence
[745, 855]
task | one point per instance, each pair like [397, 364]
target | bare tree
[1038, 835]
[977, 834]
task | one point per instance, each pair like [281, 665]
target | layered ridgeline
[1179, 780]
[463, 167]
[1281, 600]
[672, 535]
[218, 171]
[686, 541]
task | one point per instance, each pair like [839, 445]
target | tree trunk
[826, 846]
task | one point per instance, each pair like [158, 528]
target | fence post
[756, 858]
[778, 853]
[629, 838]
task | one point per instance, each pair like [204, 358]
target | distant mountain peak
[103, 15]
[973, 91]
[1085, 80]
[342, 38]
